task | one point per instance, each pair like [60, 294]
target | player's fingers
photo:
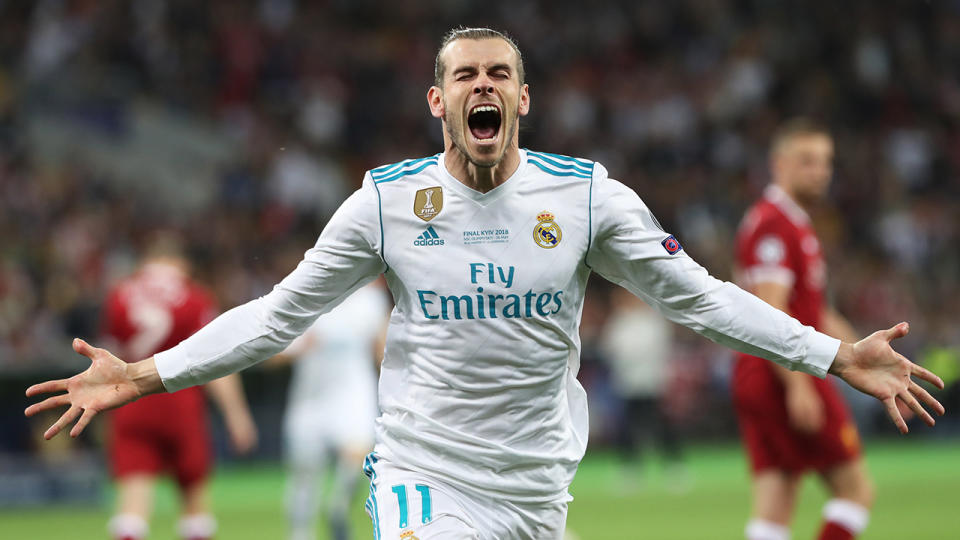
[58, 385]
[84, 348]
[67, 417]
[915, 406]
[921, 393]
[49, 403]
[905, 411]
[896, 331]
[85, 419]
[894, 414]
[926, 375]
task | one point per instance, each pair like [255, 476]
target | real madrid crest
[428, 203]
[546, 233]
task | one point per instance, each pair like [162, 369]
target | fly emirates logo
[483, 304]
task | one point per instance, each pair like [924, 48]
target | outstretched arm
[346, 256]
[630, 249]
[108, 383]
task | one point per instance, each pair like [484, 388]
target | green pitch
[918, 498]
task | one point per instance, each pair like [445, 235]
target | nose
[483, 86]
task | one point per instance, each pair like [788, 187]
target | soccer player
[790, 421]
[150, 311]
[487, 249]
[331, 408]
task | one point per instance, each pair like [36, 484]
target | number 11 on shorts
[425, 511]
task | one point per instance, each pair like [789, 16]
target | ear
[524, 105]
[435, 101]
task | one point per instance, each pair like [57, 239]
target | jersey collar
[494, 194]
[776, 195]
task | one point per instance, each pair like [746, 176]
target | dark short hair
[800, 126]
[472, 33]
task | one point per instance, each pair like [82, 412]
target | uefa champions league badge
[546, 233]
[671, 245]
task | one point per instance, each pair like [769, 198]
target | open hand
[873, 367]
[104, 385]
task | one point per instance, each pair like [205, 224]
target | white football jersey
[478, 385]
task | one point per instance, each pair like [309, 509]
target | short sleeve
[765, 254]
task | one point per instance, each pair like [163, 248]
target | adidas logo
[428, 238]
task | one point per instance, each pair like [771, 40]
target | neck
[799, 201]
[479, 178]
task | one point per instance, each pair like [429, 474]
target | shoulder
[402, 169]
[199, 296]
[764, 217]
[116, 298]
[199, 305]
[562, 166]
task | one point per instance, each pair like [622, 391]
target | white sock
[761, 529]
[128, 525]
[197, 526]
[848, 514]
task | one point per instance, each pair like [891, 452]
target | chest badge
[428, 203]
[546, 233]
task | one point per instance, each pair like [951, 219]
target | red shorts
[765, 428]
[162, 433]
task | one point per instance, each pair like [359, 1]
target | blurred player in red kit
[791, 422]
[150, 311]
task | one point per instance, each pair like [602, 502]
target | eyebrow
[471, 69]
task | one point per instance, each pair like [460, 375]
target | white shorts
[406, 505]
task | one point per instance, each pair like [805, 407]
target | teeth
[484, 108]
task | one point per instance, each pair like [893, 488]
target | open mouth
[484, 122]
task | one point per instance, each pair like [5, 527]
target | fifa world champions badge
[428, 203]
[671, 245]
[546, 233]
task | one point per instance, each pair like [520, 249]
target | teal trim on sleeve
[578, 161]
[383, 248]
[389, 173]
[387, 170]
[589, 218]
[558, 165]
[543, 167]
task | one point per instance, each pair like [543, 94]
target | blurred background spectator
[638, 344]
[244, 123]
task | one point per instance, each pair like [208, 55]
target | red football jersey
[151, 311]
[155, 309]
[776, 243]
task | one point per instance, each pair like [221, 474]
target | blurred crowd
[244, 123]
